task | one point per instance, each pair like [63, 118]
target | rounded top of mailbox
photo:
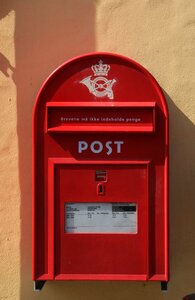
[101, 77]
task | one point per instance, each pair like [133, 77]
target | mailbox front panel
[90, 252]
[100, 173]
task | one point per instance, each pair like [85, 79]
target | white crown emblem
[99, 86]
[100, 69]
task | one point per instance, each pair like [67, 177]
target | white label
[100, 217]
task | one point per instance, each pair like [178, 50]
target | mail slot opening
[87, 117]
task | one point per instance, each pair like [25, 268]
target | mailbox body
[100, 173]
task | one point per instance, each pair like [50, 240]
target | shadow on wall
[5, 64]
[182, 204]
[47, 33]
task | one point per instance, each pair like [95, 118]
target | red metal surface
[144, 111]
[122, 128]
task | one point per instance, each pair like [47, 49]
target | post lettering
[118, 146]
[95, 149]
[82, 145]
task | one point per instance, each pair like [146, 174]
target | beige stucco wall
[36, 37]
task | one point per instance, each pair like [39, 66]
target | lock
[100, 189]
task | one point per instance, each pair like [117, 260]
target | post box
[100, 173]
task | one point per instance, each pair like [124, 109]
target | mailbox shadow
[182, 191]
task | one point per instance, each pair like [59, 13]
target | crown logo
[100, 69]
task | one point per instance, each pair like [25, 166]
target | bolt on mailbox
[100, 173]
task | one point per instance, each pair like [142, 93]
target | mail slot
[100, 173]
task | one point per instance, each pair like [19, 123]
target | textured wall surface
[36, 37]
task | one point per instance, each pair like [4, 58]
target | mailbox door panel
[111, 200]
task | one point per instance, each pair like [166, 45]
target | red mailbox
[100, 173]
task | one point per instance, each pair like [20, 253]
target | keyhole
[100, 189]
